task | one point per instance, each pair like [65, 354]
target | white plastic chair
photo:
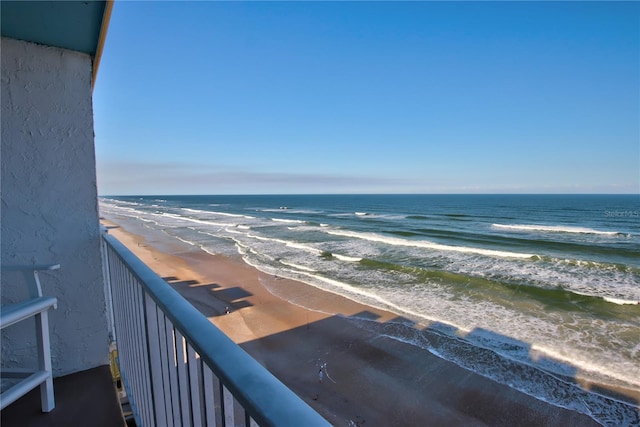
[36, 306]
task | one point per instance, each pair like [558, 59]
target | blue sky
[369, 97]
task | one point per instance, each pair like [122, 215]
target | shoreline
[369, 379]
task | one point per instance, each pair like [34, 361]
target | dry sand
[369, 380]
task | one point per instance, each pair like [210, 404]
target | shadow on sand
[199, 295]
[399, 373]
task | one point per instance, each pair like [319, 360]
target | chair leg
[47, 398]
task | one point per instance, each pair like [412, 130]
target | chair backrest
[31, 276]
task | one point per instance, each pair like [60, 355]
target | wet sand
[368, 379]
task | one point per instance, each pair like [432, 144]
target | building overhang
[75, 25]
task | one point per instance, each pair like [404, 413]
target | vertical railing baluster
[183, 379]
[166, 365]
[172, 366]
[227, 406]
[136, 368]
[129, 325]
[209, 396]
[133, 365]
[155, 365]
[223, 413]
[196, 392]
[143, 345]
[137, 371]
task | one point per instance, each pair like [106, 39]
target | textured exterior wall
[49, 210]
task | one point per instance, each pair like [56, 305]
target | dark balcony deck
[86, 398]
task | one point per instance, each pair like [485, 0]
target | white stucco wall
[49, 210]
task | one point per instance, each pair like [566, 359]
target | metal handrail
[265, 399]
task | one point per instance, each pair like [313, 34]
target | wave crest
[555, 229]
[373, 237]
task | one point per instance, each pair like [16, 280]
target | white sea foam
[198, 221]
[287, 243]
[583, 365]
[119, 208]
[145, 219]
[240, 244]
[372, 298]
[122, 202]
[272, 210]
[347, 258]
[291, 221]
[228, 214]
[207, 250]
[620, 301]
[635, 350]
[554, 229]
[188, 242]
[298, 266]
[267, 239]
[232, 231]
[200, 211]
[127, 212]
[304, 247]
[304, 211]
[601, 280]
[361, 213]
[195, 210]
[373, 237]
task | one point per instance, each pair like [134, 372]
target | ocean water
[535, 291]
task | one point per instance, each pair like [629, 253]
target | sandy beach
[368, 379]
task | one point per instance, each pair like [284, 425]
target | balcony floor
[86, 398]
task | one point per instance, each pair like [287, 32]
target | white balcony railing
[178, 369]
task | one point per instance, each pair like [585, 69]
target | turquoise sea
[538, 292]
